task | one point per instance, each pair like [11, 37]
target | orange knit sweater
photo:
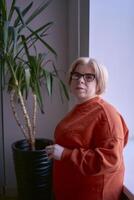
[94, 135]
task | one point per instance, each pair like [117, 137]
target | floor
[7, 198]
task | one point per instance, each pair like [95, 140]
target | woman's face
[83, 88]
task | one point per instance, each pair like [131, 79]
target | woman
[89, 141]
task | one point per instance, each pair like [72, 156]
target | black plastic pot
[33, 170]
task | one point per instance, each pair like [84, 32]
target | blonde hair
[100, 71]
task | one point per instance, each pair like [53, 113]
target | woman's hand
[54, 151]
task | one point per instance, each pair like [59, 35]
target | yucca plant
[21, 71]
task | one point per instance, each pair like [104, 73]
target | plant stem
[16, 116]
[27, 119]
[34, 114]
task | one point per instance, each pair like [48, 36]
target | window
[111, 41]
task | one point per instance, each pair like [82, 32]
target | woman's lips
[79, 88]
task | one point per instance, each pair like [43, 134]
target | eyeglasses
[89, 77]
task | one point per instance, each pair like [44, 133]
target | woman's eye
[88, 76]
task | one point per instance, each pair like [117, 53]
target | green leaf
[23, 38]
[38, 10]
[64, 89]
[5, 35]
[11, 10]
[55, 70]
[20, 15]
[45, 43]
[30, 37]
[24, 12]
[34, 82]
[11, 64]
[48, 80]
[3, 10]
[15, 35]
[36, 90]
[27, 79]
[45, 27]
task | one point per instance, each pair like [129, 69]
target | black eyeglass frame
[85, 76]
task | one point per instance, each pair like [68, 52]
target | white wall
[112, 43]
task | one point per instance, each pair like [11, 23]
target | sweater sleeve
[106, 156]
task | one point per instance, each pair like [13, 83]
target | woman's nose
[81, 79]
